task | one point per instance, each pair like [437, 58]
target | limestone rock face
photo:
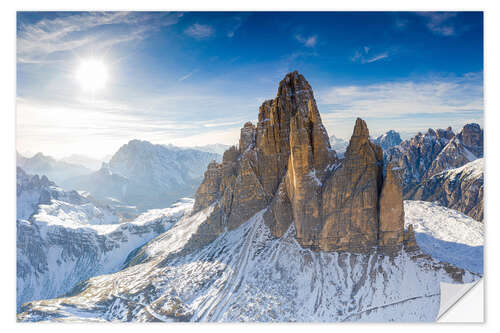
[247, 137]
[209, 189]
[310, 160]
[351, 195]
[391, 211]
[286, 166]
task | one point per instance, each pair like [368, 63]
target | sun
[92, 74]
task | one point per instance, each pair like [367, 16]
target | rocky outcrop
[286, 166]
[461, 189]
[409, 241]
[391, 211]
[209, 189]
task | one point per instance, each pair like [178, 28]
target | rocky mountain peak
[360, 129]
[286, 167]
[388, 140]
[472, 138]
[294, 84]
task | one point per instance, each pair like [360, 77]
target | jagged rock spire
[360, 129]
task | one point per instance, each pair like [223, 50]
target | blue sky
[196, 78]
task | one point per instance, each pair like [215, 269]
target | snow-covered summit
[387, 140]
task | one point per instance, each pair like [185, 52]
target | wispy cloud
[377, 57]
[440, 23]
[364, 56]
[200, 31]
[438, 95]
[37, 42]
[310, 41]
[187, 76]
[235, 24]
[400, 23]
[406, 106]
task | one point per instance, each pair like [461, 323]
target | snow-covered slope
[247, 275]
[64, 237]
[446, 234]
[54, 254]
[39, 195]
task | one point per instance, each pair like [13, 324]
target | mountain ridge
[146, 175]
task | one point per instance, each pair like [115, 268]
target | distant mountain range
[216, 148]
[339, 145]
[388, 140]
[385, 141]
[146, 175]
[58, 171]
[88, 162]
[426, 155]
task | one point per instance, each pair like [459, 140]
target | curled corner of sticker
[451, 294]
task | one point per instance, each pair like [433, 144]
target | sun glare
[92, 74]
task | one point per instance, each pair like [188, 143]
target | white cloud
[400, 23]
[307, 41]
[37, 42]
[97, 127]
[187, 76]
[408, 106]
[236, 24]
[223, 123]
[440, 23]
[200, 31]
[364, 56]
[394, 99]
[377, 57]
